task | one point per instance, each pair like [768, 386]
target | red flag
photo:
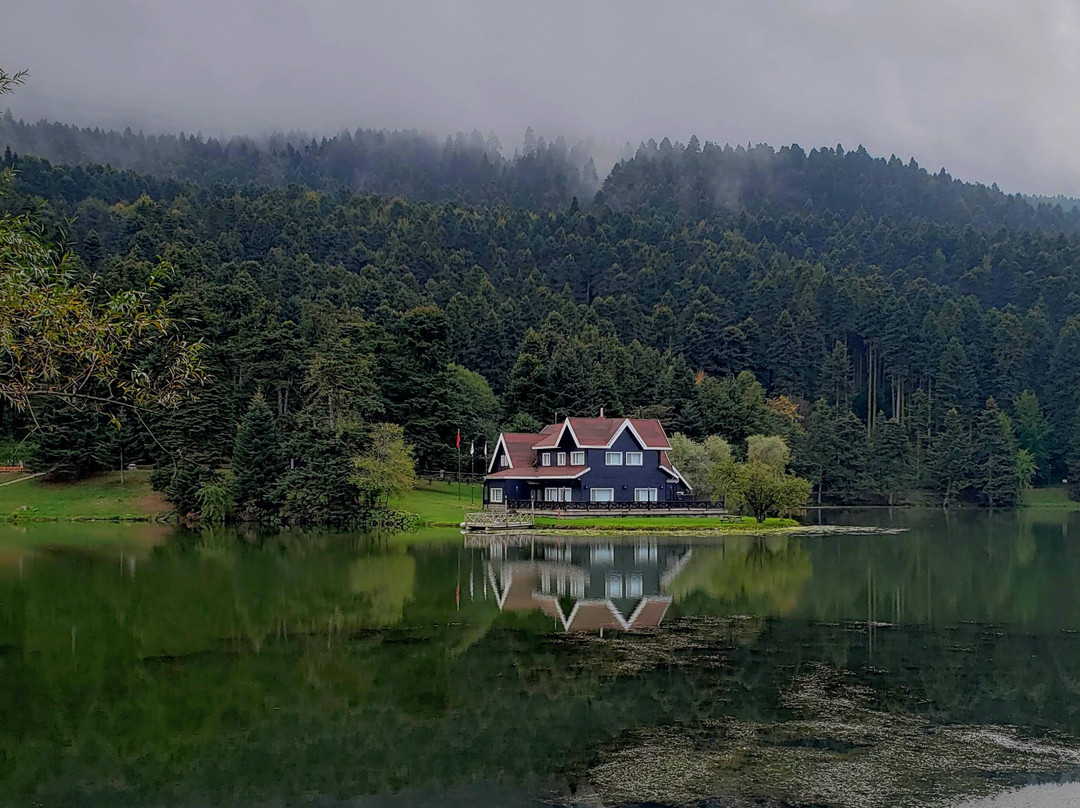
[458, 444]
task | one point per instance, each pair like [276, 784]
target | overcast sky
[986, 88]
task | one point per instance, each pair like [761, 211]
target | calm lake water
[140, 666]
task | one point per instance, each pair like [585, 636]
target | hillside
[453, 316]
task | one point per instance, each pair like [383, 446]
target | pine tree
[996, 480]
[785, 356]
[950, 458]
[836, 376]
[890, 458]
[257, 460]
[1033, 431]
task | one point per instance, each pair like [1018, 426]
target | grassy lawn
[661, 523]
[438, 504]
[99, 497]
[1053, 497]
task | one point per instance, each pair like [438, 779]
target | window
[577, 458]
[557, 494]
[635, 585]
[613, 458]
[562, 458]
[644, 495]
[504, 460]
[602, 494]
[495, 495]
[646, 553]
[614, 585]
[545, 459]
[602, 554]
[635, 458]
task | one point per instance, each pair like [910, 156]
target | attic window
[545, 459]
[504, 460]
[562, 458]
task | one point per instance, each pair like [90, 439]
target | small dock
[496, 522]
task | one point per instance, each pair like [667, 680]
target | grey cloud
[982, 87]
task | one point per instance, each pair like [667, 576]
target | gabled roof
[599, 433]
[518, 447]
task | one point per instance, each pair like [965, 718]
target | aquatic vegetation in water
[836, 750]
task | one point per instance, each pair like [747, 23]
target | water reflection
[586, 586]
[243, 668]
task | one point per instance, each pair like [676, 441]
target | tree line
[891, 352]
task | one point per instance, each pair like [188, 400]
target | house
[594, 587]
[585, 460]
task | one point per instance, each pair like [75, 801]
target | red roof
[599, 432]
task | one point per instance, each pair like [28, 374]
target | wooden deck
[491, 522]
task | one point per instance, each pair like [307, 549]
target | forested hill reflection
[227, 669]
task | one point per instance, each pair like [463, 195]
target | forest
[908, 334]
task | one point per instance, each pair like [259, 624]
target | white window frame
[504, 460]
[634, 586]
[577, 458]
[592, 494]
[553, 494]
[650, 494]
[561, 459]
[545, 459]
[613, 585]
[602, 554]
[495, 495]
[613, 458]
[639, 457]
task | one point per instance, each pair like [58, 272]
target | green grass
[662, 523]
[1052, 497]
[102, 496]
[438, 504]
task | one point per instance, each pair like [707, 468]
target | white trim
[626, 424]
[500, 442]
[492, 491]
[674, 472]
[558, 437]
[523, 476]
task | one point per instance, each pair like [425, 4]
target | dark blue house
[585, 460]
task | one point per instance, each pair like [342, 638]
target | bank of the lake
[109, 496]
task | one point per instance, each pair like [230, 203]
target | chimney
[601, 412]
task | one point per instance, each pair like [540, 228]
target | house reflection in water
[585, 587]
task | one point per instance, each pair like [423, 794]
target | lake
[935, 666]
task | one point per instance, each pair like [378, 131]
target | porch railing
[670, 505]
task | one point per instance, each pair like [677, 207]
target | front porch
[571, 509]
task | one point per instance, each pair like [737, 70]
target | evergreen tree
[951, 458]
[836, 377]
[786, 360]
[1033, 431]
[890, 458]
[996, 482]
[257, 462]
